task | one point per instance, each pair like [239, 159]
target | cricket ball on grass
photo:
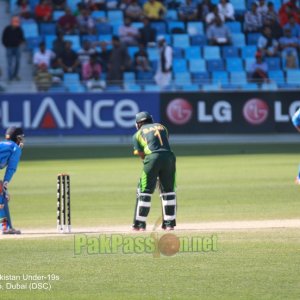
[169, 244]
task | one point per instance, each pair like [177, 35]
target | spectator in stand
[12, 39]
[163, 74]
[119, 61]
[267, 45]
[288, 43]
[203, 9]
[276, 29]
[128, 34]
[134, 11]
[43, 78]
[262, 7]
[104, 55]
[259, 70]
[58, 45]
[94, 4]
[68, 60]
[288, 9]
[90, 68]
[147, 33]
[218, 34]
[213, 15]
[187, 11]
[86, 23]
[293, 26]
[43, 56]
[141, 60]
[58, 4]
[23, 9]
[154, 10]
[68, 23]
[290, 60]
[85, 53]
[123, 4]
[226, 9]
[95, 84]
[253, 19]
[271, 13]
[43, 11]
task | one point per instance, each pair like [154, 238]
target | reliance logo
[89, 114]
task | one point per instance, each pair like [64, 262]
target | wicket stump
[63, 203]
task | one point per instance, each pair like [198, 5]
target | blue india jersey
[296, 118]
[10, 154]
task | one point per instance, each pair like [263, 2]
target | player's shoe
[168, 228]
[297, 180]
[11, 231]
[136, 228]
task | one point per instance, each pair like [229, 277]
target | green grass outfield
[215, 183]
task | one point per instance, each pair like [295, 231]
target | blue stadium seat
[239, 78]
[190, 87]
[274, 63]
[32, 43]
[176, 24]
[249, 51]
[293, 77]
[248, 64]
[160, 27]
[277, 76]
[234, 64]
[211, 52]
[75, 41]
[71, 77]
[215, 65]
[49, 39]
[179, 65]
[99, 15]
[235, 27]
[137, 25]
[113, 88]
[230, 51]
[239, 5]
[195, 28]
[145, 77]
[47, 28]
[153, 53]
[104, 28]
[192, 52]
[181, 40]
[75, 88]
[238, 39]
[32, 3]
[105, 38]
[177, 52]
[171, 15]
[230, 87]
[220, 77]
[200, 77]
[249, 87]
[272, 86]
[89, 37]
[72, 4]
[129, 77]
[198, 40]
[151, 88]
[133, 87]
[252, 38]
[210, 87]
[132, 50]
[197, 65]
[115, 17]
[57, 14]
[30, 29]
[182, 78]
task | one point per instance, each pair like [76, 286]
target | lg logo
[179, 111]
[255, 111]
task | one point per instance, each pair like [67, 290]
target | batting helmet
[143, 116]
[14, 133]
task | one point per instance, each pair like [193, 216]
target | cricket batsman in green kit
[151, 143]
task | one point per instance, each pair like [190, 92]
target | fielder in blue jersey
[296, 123]
[10, 154]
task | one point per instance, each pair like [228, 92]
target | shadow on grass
[105, 152]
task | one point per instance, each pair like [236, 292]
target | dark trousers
[13, 61]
